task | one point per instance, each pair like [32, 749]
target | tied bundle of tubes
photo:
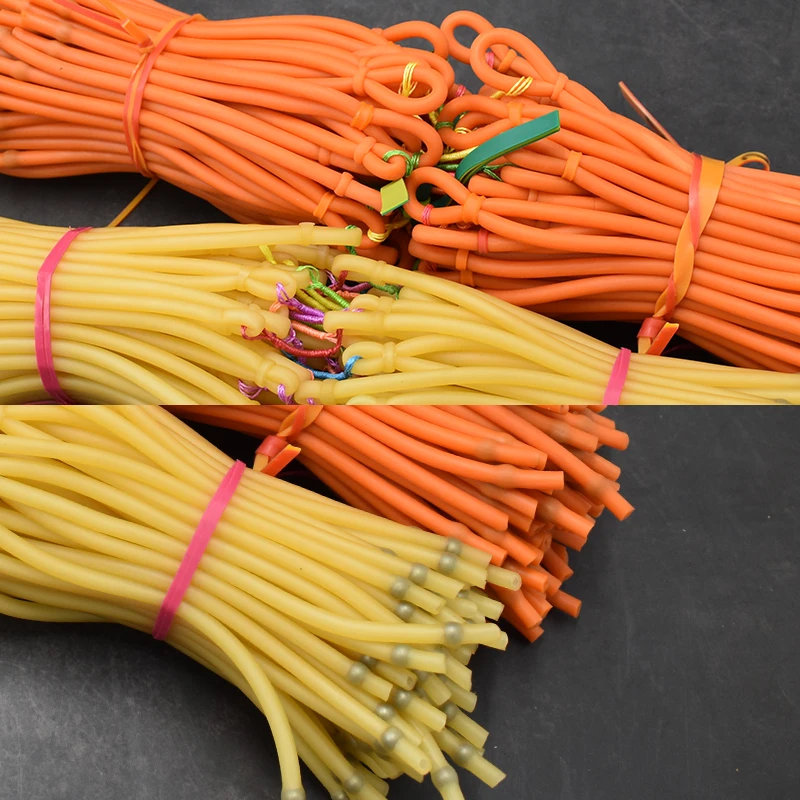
[156, 315]
[273, 119]
[525, 485]
[348, 631]
[211, 314]
[439, 343]
[584, 225]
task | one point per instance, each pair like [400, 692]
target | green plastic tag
[393, 195]
[507, 142]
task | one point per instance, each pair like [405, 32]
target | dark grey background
[679, 680]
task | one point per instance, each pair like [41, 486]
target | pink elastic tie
[41, 317]
[483, 242]
[426, 214]
[619, 374]
[197, 547]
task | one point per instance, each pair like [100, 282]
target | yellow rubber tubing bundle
[151, 315]
[165, 315]
[357, 654]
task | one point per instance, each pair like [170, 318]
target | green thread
[444, 124]
[340, 301]
[327, 298]
[320, 292]
[309, 268]
[392, 290]
[412, 160]
[492, 171]
[352, 250]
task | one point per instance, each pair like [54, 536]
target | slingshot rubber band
[197, 547]
[41, 318]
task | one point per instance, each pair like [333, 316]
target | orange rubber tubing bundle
[601, 220]
[273, 119]
[524, 484]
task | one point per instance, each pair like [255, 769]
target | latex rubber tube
[96, 506]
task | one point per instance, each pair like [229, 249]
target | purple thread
[299, 311]
[359, 288]
[282, 396]
[309, 319]
[250, 392]
[293, 339]
[282, 296]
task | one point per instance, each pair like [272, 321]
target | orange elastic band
[663, 338]
[363, 117]
[343, 184]
[704, 186]
[276, 452]
[135, 94]
[571, 167]
[324, 204]
[462, 265]
[751, 157]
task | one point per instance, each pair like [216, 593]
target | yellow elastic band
[751, 157]
[378, 237]
[408, 85]
[520, 87]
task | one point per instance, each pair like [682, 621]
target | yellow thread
[267, 253]
[378, 237]
[520, 87]
[407, 87]
[455, 155]
[463, 130]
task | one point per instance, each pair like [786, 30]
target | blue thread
[331, 376]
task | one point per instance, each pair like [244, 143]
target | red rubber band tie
[197, 548]
[616, 381]
[43, 343]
